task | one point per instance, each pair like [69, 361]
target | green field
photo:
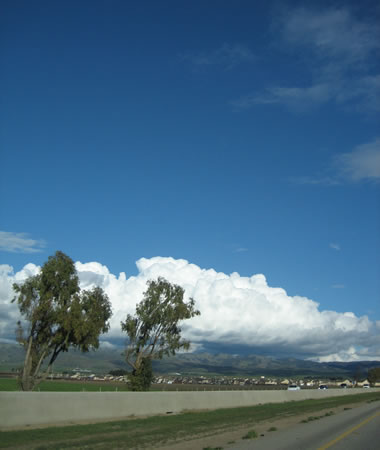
[10, 384]
[152, 431]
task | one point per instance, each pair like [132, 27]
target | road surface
[354, 429]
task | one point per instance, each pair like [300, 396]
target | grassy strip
[159, 429]
[10, 384]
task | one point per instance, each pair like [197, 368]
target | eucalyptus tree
[57, 315]
[154, 331]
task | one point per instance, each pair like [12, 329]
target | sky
[232, 147]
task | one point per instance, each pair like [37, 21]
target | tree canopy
[57, 315]
[154, 331]
[374, 375]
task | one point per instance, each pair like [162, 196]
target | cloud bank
[235, 311]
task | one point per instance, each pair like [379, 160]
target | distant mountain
[100, 361]
[257, 365]
[104, 360]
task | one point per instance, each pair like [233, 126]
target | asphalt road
[354, 429]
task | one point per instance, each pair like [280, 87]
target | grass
[310, 419]
[10, 384]
[150, 431]
[250, 435]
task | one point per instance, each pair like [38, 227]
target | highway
[354, 429]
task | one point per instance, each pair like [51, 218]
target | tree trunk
[26, 380]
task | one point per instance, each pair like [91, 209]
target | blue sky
[239, 136]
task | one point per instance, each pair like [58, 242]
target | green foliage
[250, 435]
[57, 315]
[154, 330]
[141, 378]
[374, 375]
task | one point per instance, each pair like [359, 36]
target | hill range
[104, 360]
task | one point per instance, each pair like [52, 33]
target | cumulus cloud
[235, 310]
[19, 243]
[350, 354]
[9, 313]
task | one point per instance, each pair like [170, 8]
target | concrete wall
[20, 409]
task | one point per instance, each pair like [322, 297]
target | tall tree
[154, 330]
[57, 315]
[374, 375]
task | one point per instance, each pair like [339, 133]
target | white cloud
[9, 313]
[236, 310]
[19, 243]
[351, 354]
[296, 98]
[240, 250]
[334, 246]
[315, 180]
[363, 163]
[227, 56]
[361, 94]
[333, 34]
[338, 50]
[338, 286]
[105, 345]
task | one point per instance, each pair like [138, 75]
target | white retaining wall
[20, 409]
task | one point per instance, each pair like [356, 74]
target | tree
[374, 375]
[57, 315]
[141, 378]
[154, 330]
